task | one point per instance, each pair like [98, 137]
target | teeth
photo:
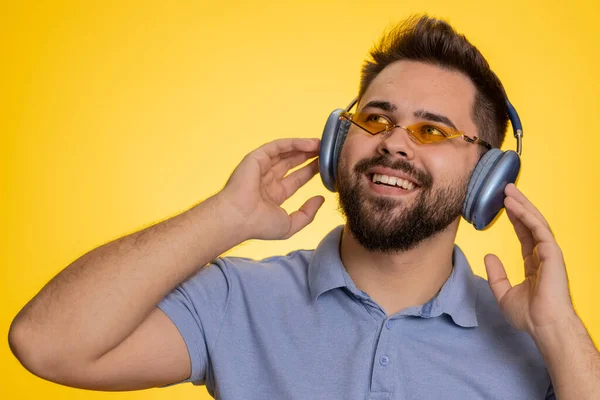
[392, 180]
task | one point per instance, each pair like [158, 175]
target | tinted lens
[426, 132]
[373, 123]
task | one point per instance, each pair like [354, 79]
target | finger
[280, 146]
[523, 233]
[548, 251]
[273, 152]
[264, 161]
[552, 264]
[267, 163]
[513, 191]
[292, 161]
[287, 154]
[531, 264]
[298, 178]
[304, 215]
[497, 278]
[539, 230]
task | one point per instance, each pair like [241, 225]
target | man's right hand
[259, 185]
[96, 325]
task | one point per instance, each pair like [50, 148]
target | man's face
[390, 218]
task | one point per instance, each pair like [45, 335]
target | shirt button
[388, 324]
[385, 360]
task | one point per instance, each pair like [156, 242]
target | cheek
[355, 148]
[447, 168]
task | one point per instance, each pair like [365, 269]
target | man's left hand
[542, 300]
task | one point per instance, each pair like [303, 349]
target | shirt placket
[382, 378]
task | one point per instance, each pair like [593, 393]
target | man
[385, 308]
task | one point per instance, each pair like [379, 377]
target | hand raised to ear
[543, 298]
[259, 185]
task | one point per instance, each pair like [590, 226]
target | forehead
[411, 86]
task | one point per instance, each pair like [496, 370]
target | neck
[402, 279]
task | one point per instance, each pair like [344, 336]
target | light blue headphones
[485, 194]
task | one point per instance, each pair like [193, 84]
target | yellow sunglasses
[422, 132]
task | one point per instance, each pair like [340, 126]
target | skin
[540, 305]
[403, 279]
[81, 330]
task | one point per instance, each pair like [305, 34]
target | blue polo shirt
[297, 327]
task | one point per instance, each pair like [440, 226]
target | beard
[388, 224]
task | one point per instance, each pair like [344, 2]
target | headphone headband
[515, 121]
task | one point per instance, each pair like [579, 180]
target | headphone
[485, 193]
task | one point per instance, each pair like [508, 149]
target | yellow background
[115, 115]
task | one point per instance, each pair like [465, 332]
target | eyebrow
[383, 105]
[429, 116]
[426, 115]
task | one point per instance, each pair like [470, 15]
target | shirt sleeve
[197, 308]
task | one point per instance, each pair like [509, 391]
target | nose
[397, 142]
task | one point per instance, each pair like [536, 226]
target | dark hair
[435, 42]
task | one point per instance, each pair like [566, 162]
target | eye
[372, 122]
[377, 119]
[431, 130]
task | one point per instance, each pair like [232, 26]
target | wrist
[572, 360]
[231, 221]
[558, 335]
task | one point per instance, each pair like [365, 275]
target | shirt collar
[457, 298]
[325, 269]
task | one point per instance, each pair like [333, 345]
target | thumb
[304, 215]
[497, 278]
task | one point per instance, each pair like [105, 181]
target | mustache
[423, 178]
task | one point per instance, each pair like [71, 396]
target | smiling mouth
[392, 182]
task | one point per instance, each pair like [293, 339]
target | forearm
[97, 301]
[572, 359]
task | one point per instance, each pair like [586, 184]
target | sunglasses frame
[473, 140]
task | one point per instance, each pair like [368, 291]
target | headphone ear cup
[334, 135]
[485, 194]
[478, 175]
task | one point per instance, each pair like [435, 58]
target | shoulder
[282, 271]
[294, 261]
